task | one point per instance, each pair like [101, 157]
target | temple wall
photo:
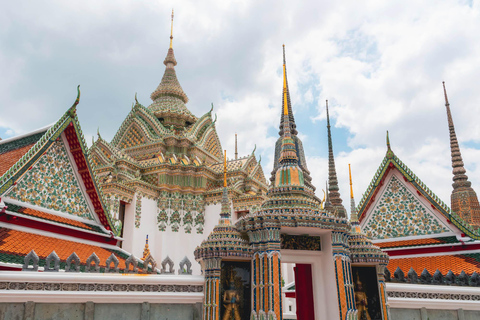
[175, 244]
[99, 311]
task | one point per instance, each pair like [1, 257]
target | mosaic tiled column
[343, 276]
[211, 304]
[267, 294]
[383, 293]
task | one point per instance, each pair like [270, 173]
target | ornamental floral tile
[138, 210]
[400, 214]
[52, 184]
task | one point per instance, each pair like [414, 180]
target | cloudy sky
[379, 63]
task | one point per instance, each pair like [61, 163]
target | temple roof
[65, 136]
[169, 99]
[391, 161]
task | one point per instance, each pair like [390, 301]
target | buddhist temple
[159, 224]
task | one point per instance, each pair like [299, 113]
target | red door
[304, 291]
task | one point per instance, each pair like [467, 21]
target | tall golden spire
[171, 31]
[225, 169]
[353, 208]
[351, 185]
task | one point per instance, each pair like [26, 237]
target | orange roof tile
[409, 243]
[51, 217]
[8, 159]
[19, 243]
[457, 263]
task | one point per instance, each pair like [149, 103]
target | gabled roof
[391, 161]
[69, 126]
[14, 148]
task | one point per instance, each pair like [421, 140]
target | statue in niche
[231, 300]
[361, 302]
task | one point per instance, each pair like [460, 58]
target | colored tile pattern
[52, 184]
[416, 242]
[52, 217]
[400, 214]
[457, 263]
[14, 245]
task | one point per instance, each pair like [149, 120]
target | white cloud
[380, 64]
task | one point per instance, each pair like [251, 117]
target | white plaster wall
[129, 226]
[325, 294]
[177, 245]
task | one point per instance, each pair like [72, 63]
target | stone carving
[33, 258]
[450, 277]
[110, 260]
[131, 260]
[437, 277]
[412, 276]
[168, 262]
[462, 279]
[150, 261]
[96, 263]
[56, 262]
[475, 280]
[75, 267]
[425, 277]
[188, 264]
[399, 275]
[387, 275]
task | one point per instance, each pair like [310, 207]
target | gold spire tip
[171, 31]
[225, 169]
[351, 184]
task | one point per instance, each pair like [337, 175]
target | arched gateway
[338, 273]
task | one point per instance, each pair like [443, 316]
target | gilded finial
[171, 31]
[215, 119]
[259, 159]
[351, 185]
[285, 100]
[136, 101]
[254, 148]
[98, 132]
[388, 141]
[225, 169]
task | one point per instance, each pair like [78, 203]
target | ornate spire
[288, 153]
[169, 99]
[353, 208]
[146, 250]
[286, 101]
[236, 150]
[460, 179]
[226, 209]
[464, 200]
[334, 194]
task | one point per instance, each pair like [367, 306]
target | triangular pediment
[399, 211]
[52, 183]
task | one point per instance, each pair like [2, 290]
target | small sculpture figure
[231, 301]
[361, 302]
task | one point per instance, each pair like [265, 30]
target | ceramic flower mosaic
[400, 214]
[52, 184]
